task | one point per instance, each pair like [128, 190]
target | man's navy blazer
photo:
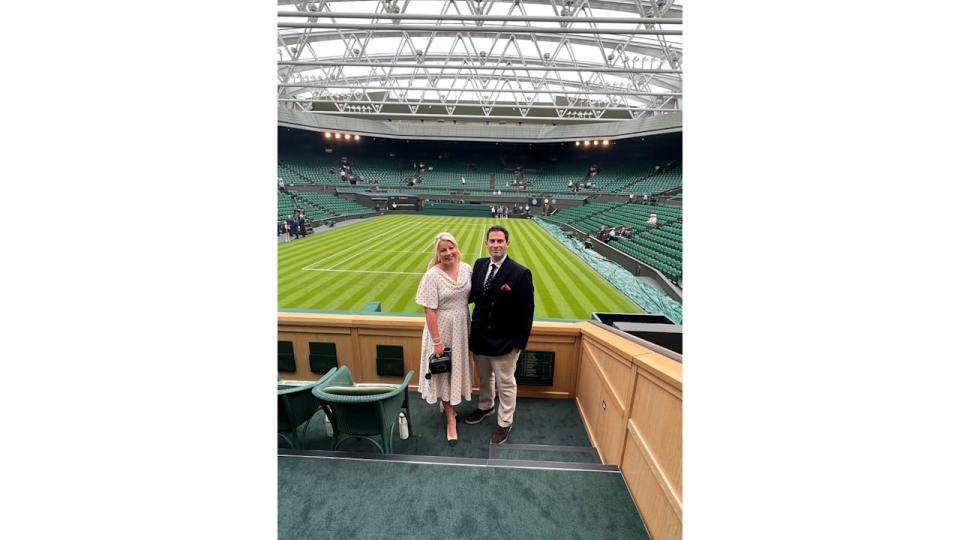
[503, 316]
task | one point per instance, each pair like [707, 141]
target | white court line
[307, 267]
[361, 271]
[479, 253]
[362, 252]
[373, 240]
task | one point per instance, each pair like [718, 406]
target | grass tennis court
[383, 258]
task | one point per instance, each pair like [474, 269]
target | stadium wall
[630, 397]
[523, 130]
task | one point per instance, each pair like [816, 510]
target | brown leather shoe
[476, 416]
[500, 435]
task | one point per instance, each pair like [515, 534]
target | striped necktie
[489, 280]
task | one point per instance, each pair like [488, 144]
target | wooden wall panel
[301, 351]
[662, 514]
[617, 372]
[606, 390]
[612, 426]
[588, 397]
[360, 334]
[657, 418]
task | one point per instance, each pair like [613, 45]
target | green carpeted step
[545, 452]
[322, 497]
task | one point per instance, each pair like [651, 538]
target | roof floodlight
[336, 135]
[606, 143]
[326, 134]
[596, 143]
[356, 137]
[578, 143]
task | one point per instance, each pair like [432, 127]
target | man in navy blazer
[502, 294]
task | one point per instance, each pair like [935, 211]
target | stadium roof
[558, 61]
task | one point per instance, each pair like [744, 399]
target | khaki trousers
[498, 371]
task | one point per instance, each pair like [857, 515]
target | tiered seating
[290, 178]
[325, 170]
[285, 205]
[446, 173]
[385, 172]
[633, 176]
[655, 184]
[659, 248]
[326, 206]
[581, 215]
[311, 170]
[451, 180]
[636, 215]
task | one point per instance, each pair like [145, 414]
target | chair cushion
[366, 390]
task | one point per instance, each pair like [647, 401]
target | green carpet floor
[536, 421]
[362, 499]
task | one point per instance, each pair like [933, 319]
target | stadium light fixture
[578, 143]
[606, 143]
[327, 134]
[336, 136]
[596, 143]
[356, 137]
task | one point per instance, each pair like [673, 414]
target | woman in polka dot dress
[443, 293]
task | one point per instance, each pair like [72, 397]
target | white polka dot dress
[437, 291]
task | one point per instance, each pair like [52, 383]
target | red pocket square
[505, 287]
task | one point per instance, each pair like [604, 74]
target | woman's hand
[438, 349]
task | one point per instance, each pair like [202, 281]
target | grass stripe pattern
[382, 259]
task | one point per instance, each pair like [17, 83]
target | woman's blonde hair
[444, 236]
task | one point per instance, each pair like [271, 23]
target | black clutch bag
[439, 364]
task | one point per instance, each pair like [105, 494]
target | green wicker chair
[367, 412]
[296, 406]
